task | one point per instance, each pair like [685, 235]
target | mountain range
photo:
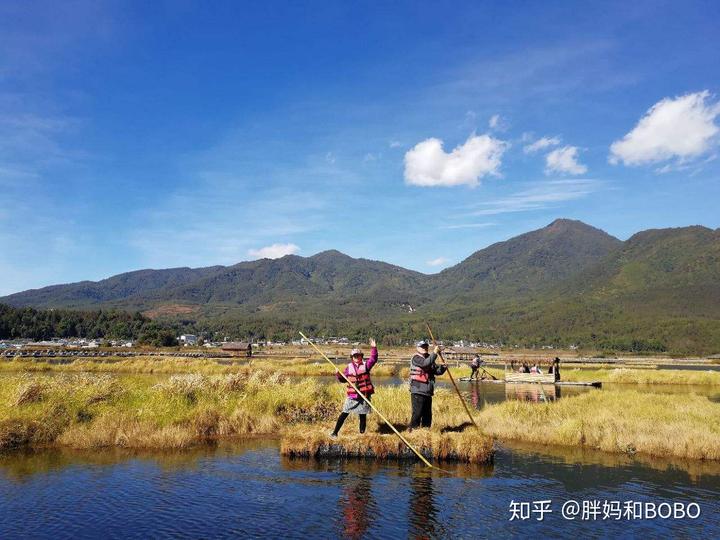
[565, 283]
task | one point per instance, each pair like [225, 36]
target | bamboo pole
[403, 439]
[452, 379]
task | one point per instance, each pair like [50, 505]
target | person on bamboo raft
[474, 366]
[358, 372]
[423, 370]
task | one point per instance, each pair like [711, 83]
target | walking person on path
[358, 372]
[423, 370]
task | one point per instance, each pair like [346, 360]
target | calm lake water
[249, 490]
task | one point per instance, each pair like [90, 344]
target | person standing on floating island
[423, 370]
[357, 372]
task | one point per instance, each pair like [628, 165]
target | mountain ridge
[567, 282]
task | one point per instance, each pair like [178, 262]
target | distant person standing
[475, 365]
[423, 370]
[555, 368]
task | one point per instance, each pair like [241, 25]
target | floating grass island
[470, 446]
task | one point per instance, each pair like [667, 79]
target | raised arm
[373, 355]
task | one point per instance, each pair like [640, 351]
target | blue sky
[153, 135]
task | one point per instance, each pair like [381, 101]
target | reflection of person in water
[355, 505]
[423, 513]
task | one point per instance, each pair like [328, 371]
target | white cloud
[371, 157]
[274, 251]
[564, 161]
[427, 163]
[394, 144]
[437, 262]
[494, 121]
[682, 128]
[541, 144]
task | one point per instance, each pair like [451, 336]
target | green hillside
[567, 283]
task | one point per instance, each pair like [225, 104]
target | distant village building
[462, 353]
[238, 348]
[188, 340]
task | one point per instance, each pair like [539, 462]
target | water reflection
[532, 392]
[357, 505]
[484, 393]
[21, 466]
[691, 470]
[425, 520]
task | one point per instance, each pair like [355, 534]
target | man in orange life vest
[423, 370]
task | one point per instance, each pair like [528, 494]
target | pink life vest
[359, 375]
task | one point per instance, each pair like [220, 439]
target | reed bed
[293, 366]
[93, 411]
[680, 425]
[303, 366]
[642, 376]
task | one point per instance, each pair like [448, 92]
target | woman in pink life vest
[358, 372]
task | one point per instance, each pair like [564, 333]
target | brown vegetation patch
[168, 310]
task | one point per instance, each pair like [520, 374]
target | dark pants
[474, 371]
[341, 420]
[421, 410]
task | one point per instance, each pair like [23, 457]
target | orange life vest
[419, 374]
[360, 377]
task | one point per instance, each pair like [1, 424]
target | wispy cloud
[202, 227]
[540, 196]
[498, 123]
[440, 261]
[533, 72]
[468, 226]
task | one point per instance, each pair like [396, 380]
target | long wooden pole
[359, 393]
[452, 379]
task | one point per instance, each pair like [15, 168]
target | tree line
[30, 323]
